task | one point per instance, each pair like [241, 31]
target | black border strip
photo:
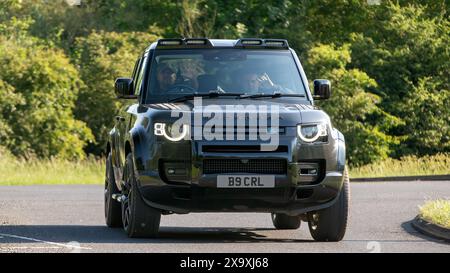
[430, 229]
[444, 177]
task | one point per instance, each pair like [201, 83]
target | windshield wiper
[273, 95]
[211, 94]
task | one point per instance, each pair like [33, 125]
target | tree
[101, 58]
[427, 118]
[41, 87]
[407, 52]
[388, 63]
[9, 99]
[353, 109]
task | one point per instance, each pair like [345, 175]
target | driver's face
[166, 77]
[251, 83]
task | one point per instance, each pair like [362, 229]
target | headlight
[171, 132]
[311, 132]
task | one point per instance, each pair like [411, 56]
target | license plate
[245, 181]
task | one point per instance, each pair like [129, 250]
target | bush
[102, 57]
[406, 51]
[38, 89]
[427, 119]
[388, 64]
[353, 109]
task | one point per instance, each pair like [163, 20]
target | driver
[251, 83]
[166, 77]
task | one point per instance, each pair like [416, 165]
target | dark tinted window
[182, 72]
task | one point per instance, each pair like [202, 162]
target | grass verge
[406, 166]
[15, 171]
[436, 212]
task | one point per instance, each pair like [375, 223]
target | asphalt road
[70, 219]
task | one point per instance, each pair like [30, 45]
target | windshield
[176, 73]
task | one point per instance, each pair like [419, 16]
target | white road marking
[70, 246]
[29, 247]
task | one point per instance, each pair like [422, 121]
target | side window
[135, 69]
[140, 75]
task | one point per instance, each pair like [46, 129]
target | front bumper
[197, 192]
[288, 200]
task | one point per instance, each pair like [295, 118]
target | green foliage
[351, 107]
[232, 19]
[388, 64]
[410, 165]
[427, 118]
[38, 86]
[35, 171]
[331, 21]
[407, 53]
[406, 45]
[8, 101]
[101, 58]
[436, 212]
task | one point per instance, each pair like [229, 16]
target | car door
[125, 120]
[121, 127]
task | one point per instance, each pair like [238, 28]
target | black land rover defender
[224, 126]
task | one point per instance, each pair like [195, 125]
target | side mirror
[124, 88]
[322, 89]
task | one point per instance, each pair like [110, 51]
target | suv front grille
[241, 149]
[259, 166]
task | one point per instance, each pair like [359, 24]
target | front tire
[330, 224]
[283, 221]
[139, 220]
[113, 212]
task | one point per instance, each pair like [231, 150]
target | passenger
[166, 77]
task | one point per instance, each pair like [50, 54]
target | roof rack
[251, 43]
[184, 43]
[262, 43]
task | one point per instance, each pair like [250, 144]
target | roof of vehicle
[183, 43]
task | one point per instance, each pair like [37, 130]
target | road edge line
[69, 246]
[444, 177]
